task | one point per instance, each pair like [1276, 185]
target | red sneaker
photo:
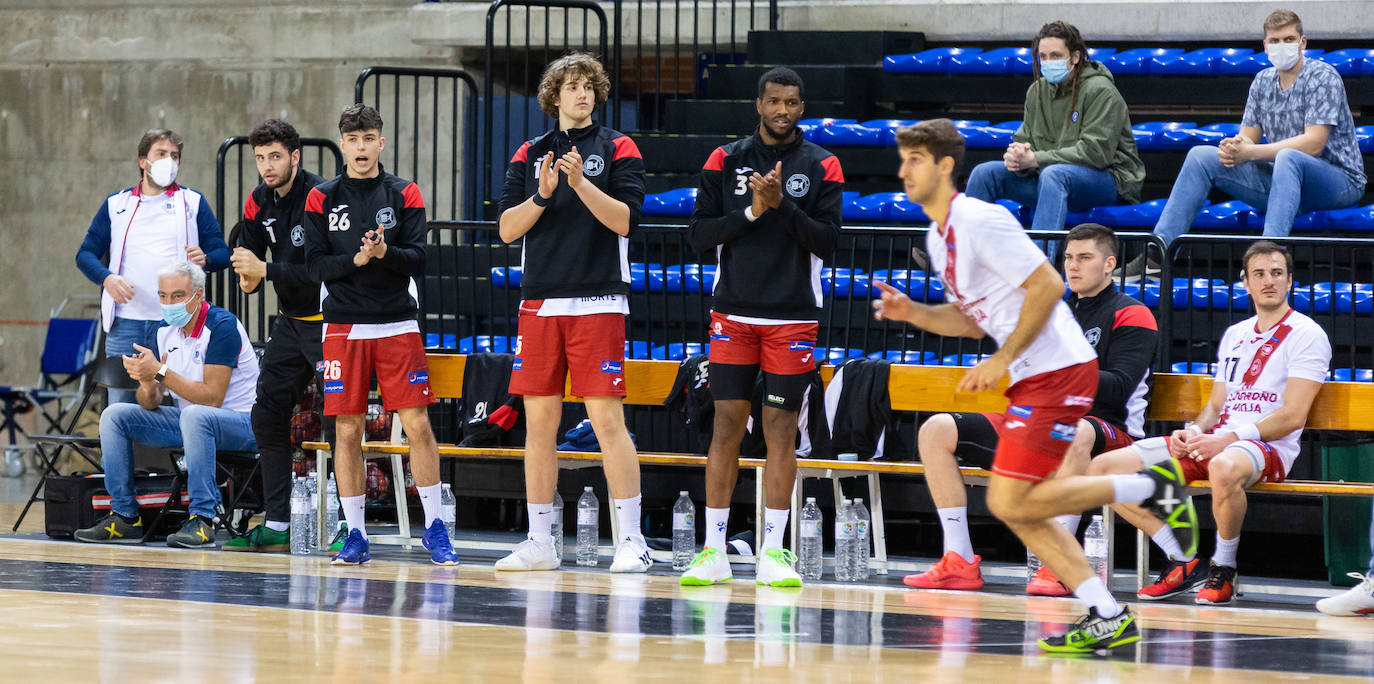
[1220, 588]
[950, 572]
[1045, 583]
[1176, 578]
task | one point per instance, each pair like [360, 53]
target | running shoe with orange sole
[1045, 583]
[950, 572]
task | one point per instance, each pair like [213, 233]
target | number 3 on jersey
[741, 184]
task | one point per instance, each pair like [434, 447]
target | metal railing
[428, 113]
[236, 174]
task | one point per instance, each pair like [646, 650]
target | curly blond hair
[572, 65]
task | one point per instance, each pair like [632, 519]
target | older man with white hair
[203, 357]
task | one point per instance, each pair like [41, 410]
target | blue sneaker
[436, 542]
[354, 550]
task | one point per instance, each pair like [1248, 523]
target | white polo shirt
[218, 339]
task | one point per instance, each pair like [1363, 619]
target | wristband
[1248, 431]
[161, 373]
[749, 214]
[539, 200]
[1196, 430]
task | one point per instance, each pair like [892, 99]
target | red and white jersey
[982, 257]
[1256, 366]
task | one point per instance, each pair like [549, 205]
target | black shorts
[731, 382]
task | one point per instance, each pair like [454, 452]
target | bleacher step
[734, 117]
[823, 82]
[831, 47]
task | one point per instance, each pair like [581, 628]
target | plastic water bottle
[844, 540]
[331, 491]
[1032, 564]
[556, 529]
[810, 559]
[588, 527]
[684, 531]
[859, 569]
[448, 509]
[300, 518]
[1095, 547]
[313, 488]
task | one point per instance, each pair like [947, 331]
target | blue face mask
[1054, 70]
[176, 315]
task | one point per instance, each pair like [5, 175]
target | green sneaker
[775, 569]
[339, 537]
[707, 568]
[112, 529]
[1171, 503]
[1094, 634]
[262, 539]
[195, 533]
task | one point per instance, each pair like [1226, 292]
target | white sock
[277, 526]
[1168, 543]
[541, 521]
[1070, 522]
[716, 521]
[627, 513]
[1094, 593]
[353, 512]
[774, 525]
[1132, 488]
[430, 498]
[1226, 551]
[954, 522]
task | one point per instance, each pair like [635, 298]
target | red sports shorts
[1267, 465]
[590, 348]
[1042, 419]
[399, 361]
[785, 349]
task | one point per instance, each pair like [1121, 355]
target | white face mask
[163, 172]
[1283, 55]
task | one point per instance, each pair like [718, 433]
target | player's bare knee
[1226, 476]
[938, 432]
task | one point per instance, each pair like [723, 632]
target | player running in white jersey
[1269, 369]
[998, 283]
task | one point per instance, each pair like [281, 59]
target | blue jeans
[124, 334]
[1057, 189]
[1295, 183]
[199, 430]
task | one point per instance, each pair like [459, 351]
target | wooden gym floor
[78, 612]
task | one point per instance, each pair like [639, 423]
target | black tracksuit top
[278, 223]
[1125, 336]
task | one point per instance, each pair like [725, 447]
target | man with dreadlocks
[1074, 149]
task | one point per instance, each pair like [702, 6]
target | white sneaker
[531, 554]
[708, 567]
[631, 556]
[774, 568]
[1358, 601]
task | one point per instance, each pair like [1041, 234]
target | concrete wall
[81, 80]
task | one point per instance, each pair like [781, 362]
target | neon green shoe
[1094, 634]
[1171, 503]
[262, 539]
[708, 567]
[339, 537]
[775, 569]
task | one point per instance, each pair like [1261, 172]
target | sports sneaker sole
[132, 540]
[782, 583]
[1103, 650]
[1059, 591]
[283, 548]
[1204, 602]
[953, 585]
[335, 561]
[1181, 589]
[699, 582]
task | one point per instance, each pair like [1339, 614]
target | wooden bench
[1175, 397]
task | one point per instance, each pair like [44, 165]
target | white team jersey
[1256, 367]
[982, 258]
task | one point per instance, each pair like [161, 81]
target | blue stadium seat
[1301, 298]
[1230, 295]
[905, 211]
[996, 61]
[1018, 211]
[678, 351]
[837, 355]
[888, 128]
[1137, 61]
[909, 357]
[844, 135]
[1149, 295]
[437, 341]
[812, 123]
[1353, 218]
[1149, 135]
[844, 282]
[911, 281]
[987, 137]
[965, 360]
[638, 349]
[481, 344]
[1365, 136]
[639, 276]
[1143, 215]
[1203, 62]
[1196, 367]
[1073, 218]
[505, 277]
[1351, 61]
[676, 202]
[1358, 298]
[932, 61]
[849, 203]
[1355, 375]
[1311, 221]
[1230, 215]
[871, 207]
[968, 123]
[1248, 65]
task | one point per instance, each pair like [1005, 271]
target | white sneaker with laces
[632, 556]
[531, 554]
[1359, 600]
[774, 569]
[708, 567]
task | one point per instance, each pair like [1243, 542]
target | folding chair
[68, 355]
[109, 374]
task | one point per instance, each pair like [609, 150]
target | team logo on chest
[798, 184]
[298, 235]
[593, 166]
[1093, 335]
[386, 217]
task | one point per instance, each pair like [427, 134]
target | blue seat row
[1160, 61]
[690, 278]
[634, 349]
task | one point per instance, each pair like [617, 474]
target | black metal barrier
[427, 111]
[236, 174]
